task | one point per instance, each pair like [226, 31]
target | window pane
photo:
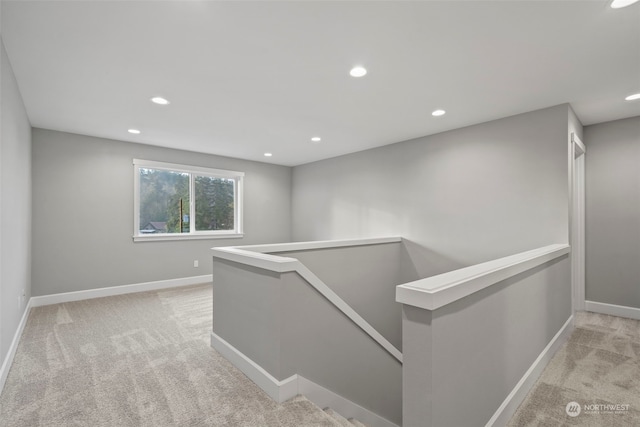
[214, 203]
[164, 201]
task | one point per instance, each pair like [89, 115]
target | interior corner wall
[83, 214]
[465, 196]
[15, 206]
[613, 212]
[575, 126]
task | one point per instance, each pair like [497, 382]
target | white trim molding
[437, 291]
[118, 290]
[509, 406]
[275, 263]
[319, 244]
[255, 256]
[279, 391]
[329, 294]
[580, 148]
[613, 310]
[325, 398]
[186, 236]
[283, 390]
[577, 221]
[8, 360]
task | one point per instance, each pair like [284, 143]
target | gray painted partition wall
[285, 326]
[460, 198]
[323, 346]
[83, 213]
[463, 359]
[15, 206]
[365, 277]
[613, 212]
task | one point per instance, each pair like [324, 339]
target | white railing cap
[260, 255]
[318, 244]
[256, 259]
[437, 291]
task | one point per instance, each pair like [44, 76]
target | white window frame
[237, 177]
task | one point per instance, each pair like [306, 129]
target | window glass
[164, 201]
[178, 201]
[215, 208]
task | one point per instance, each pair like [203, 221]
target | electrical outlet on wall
[195, 263]
[22, 298]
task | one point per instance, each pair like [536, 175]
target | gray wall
[575, 125]
[462, 360]
[15, 206]
[285, 326]
[365, 277]
[613, 212]
[464, 196]
[83, 214]
[326, 347]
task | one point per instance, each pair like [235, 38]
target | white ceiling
[246, 78]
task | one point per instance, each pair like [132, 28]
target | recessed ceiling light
[358, 71]
[268, 154]
[134, 131]
[316, 139]
[632, 97]
[159, 100]
[617, 4]
[438, 113]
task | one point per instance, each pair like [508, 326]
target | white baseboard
[8, 360]
[504, 413]
[279, 391]
[118, 290]
[327, 399]
[288, 388]
[613, 310]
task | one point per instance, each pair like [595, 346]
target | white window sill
[186, 236]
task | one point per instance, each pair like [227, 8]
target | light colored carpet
[598, 366]
[136, 360]
[144, 360]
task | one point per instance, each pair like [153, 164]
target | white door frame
[577, 152]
